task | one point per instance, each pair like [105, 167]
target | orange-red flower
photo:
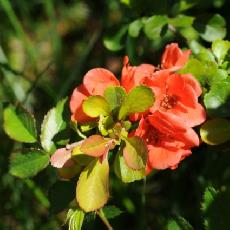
[174, 58]
[94, 83]
[133, 76]
[167, 143]
[176, 97]
[97, 80]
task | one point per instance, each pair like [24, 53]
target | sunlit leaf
[115, 96]
[19, 124]
[95, 106]
[52, 124]
[75, 218]
[92, 190]
[220, 49]
[215, 131]
[138, 100]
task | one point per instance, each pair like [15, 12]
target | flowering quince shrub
[141, 123]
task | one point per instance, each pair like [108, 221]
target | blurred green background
[46, 47]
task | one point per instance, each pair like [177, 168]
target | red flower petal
[133, 76]
[174, 58]
[76, 100]
[162, 158]
[98, 79]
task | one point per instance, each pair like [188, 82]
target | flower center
[168, 102]
[153, 136]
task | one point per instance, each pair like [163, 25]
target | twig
[37, 78]
[101, 214]
[77, 70]
[7, 67]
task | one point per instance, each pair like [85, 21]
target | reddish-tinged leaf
[135, 153]
[95, 146]
[60, 158]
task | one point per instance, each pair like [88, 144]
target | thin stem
[34, 84]
[101, 214]
[143, 198]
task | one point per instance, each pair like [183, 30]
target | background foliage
[46, 47]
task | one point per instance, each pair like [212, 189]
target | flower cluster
[146, 120]
[166, 127]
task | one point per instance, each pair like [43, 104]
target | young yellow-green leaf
[115, 96]
[215, 131]
[92, 190]
[95, 106]
[75, 219]
[52, 124]
[138, 100]
[135, 153]
[125, 173]
[19, 124]
[220, 49]
[95, 146]
[153, 26]
[28, 163]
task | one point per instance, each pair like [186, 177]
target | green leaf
[19, 124]
[93, 186]
[95, 106]
[125, 173]
[58, 201]
[215, 131]
[211, 29]
[181, 21]
[52, 124]
[138, 100]
[114, 42]
[28, 163]
[95, 145]
[217, 208]
[217, 100]
[206, 72]
[75, 219]
[208, 198]
[135, 28]
[115, 96]
[154, 25]
[135, 153]
[179, 223]
[220, 49]
[201, 52]
[111, 211]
